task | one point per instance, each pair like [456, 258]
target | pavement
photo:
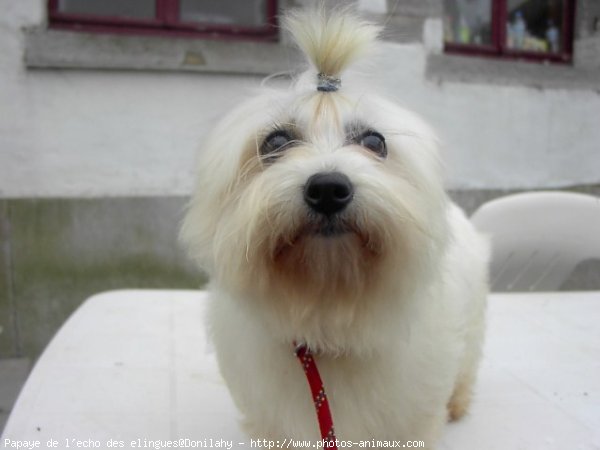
[13, 373]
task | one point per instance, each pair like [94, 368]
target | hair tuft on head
[331, 40]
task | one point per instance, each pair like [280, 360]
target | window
[539, 30]
[251, 19]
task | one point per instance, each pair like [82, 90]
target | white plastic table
[135, 366]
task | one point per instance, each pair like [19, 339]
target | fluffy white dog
[321, 218]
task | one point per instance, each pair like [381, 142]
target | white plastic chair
[539, 237]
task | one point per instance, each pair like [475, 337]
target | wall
[72, 133]
[58, 252]
[84, 133]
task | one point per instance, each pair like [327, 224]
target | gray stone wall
[58, 252]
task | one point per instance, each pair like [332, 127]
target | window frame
[498, 47]
[165, 23]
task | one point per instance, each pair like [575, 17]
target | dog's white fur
[393, 309]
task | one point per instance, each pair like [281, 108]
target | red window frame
[498, 48]
[166, 22]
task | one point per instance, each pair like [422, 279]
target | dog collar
[317, 390]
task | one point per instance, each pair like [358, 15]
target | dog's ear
[217, 172]
[331, 40]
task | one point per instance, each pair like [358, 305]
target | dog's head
[320, 205]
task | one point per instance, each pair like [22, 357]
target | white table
[134, 365]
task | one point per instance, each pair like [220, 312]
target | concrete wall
[96, 164]
[57, 252]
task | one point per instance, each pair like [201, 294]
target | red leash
[318, 394]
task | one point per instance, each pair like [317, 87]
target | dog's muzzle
[328, 193]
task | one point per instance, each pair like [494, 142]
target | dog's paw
[459, 403]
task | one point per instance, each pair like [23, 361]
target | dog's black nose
[328, 192]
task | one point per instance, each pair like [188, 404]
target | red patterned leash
[318, 394]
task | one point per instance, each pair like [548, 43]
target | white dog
[321, 218]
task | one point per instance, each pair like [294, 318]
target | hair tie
[328, 83]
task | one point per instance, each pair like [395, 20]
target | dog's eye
[274, 143]
[374, 142]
